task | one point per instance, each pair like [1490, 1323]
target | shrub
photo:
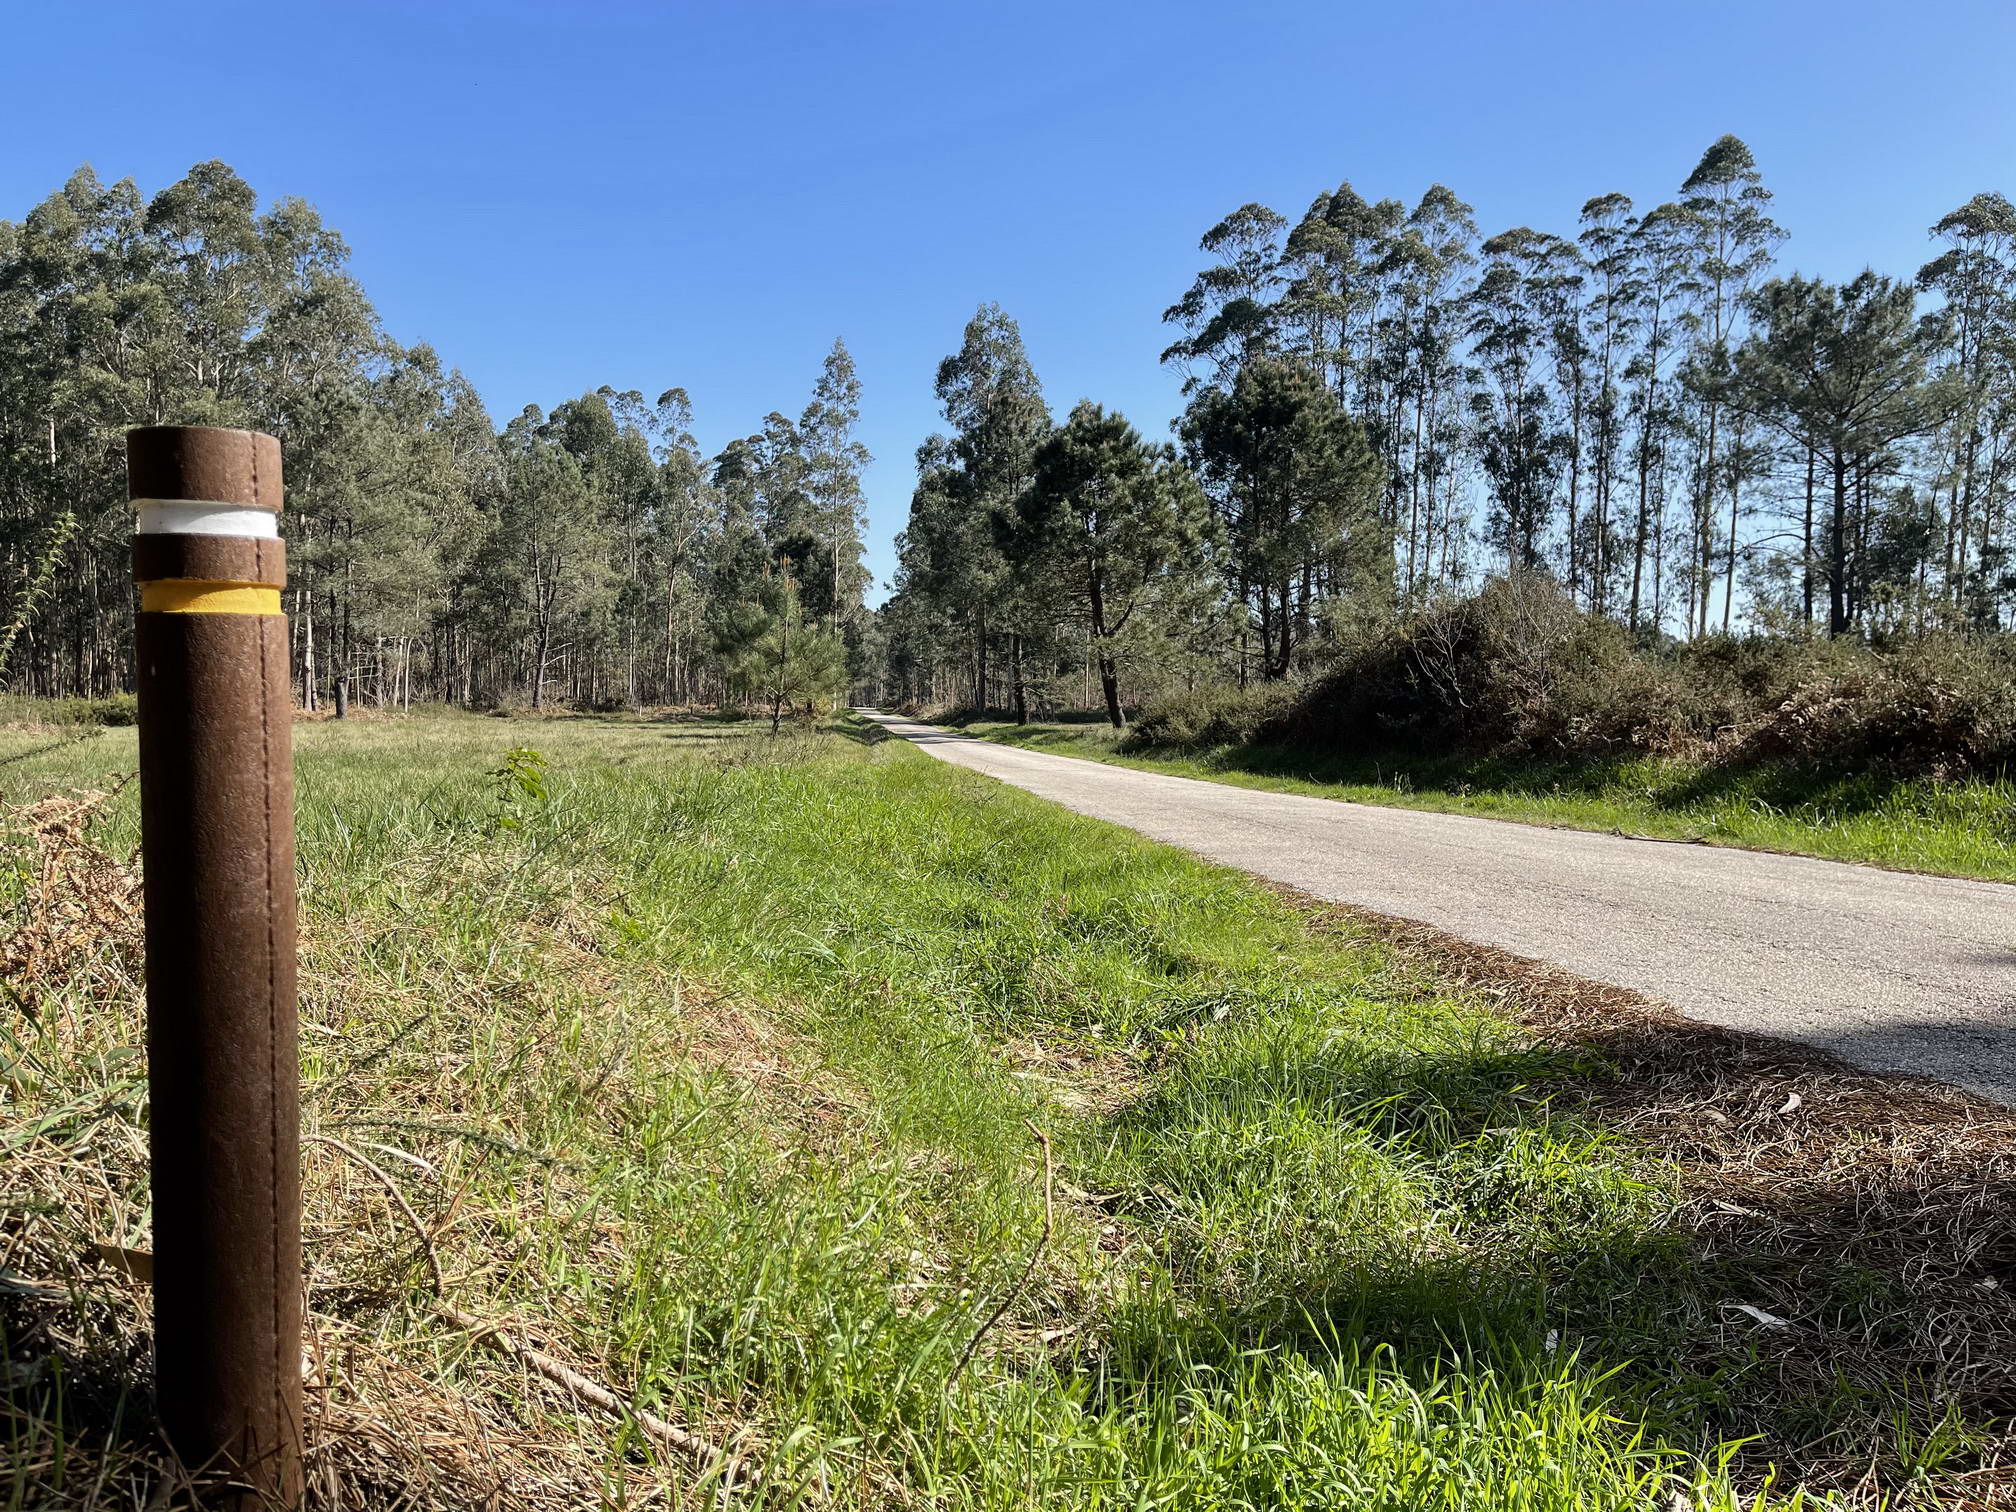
[1209, 716]
[119, 709]
[1940, 707]
[1519, 671]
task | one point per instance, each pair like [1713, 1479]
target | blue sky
[563, 195]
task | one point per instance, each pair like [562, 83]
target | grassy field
[917, 1143]
[1961, 829]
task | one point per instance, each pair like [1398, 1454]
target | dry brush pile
[1519, 671]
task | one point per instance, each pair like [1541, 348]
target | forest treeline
[590, 553]
[1387, 409]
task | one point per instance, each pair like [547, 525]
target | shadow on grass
[645, 721]
[1078, 718]
[1887, 1347]
[1835, 792]
[1520, 777]
[861, 731]
[1829, 793]
[73, 1394]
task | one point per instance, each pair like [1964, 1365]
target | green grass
[1962, 828]
[715, 1064]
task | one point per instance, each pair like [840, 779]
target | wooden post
[217, 844]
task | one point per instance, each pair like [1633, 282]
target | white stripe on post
[199, 517]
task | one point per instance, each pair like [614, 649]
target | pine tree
[1296, 487]
[1109, 520]
[1841, 371]
[773, 654]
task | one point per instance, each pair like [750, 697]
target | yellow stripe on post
[183, 596]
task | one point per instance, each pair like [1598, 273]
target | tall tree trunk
[1109, 684]
[1638, 543]
[1109, 680]
[980, 660]
[1021, 688]
[1806, 554]
[1729, 588]
[1575, 497]
[1837, 548]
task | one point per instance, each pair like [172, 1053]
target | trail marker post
[223, 1067]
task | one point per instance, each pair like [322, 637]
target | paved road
[1894, 972]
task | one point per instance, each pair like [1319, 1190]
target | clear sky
[561, 195]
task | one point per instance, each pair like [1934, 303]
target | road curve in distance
[1893, 971]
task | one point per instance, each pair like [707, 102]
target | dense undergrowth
[1515, 705]
[753, 1077]
[1518, 672]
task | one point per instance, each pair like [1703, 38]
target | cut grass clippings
[705, 1069]
[1960, 828]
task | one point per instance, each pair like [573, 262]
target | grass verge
[1963, 828]
[916, 1143]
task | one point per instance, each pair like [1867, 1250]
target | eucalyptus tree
[86, 341]
[1659, 252]
[1228, 313]
[345, 402]
[783, 503]
[608, 433]
[684, 531]
[1110, 520]
[377, 508]
[428, 553]
[211, 276]
[1609, 321]
[994, 406]
[1340, 263]
[1723, 215]
[1420, 340]
[942, 565]
[1514, 311]
[468, 448]
[546, 564]
[193, 307]
[742, 558]
[834, 462]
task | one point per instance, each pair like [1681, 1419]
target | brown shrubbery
[1519, 671]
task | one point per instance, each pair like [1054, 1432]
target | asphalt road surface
[1892, 971]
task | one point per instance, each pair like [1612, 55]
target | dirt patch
[1082, 1082]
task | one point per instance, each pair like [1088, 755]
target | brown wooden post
[217, 843]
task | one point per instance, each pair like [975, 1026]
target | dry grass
[1795, 1167]
[411, 1402]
